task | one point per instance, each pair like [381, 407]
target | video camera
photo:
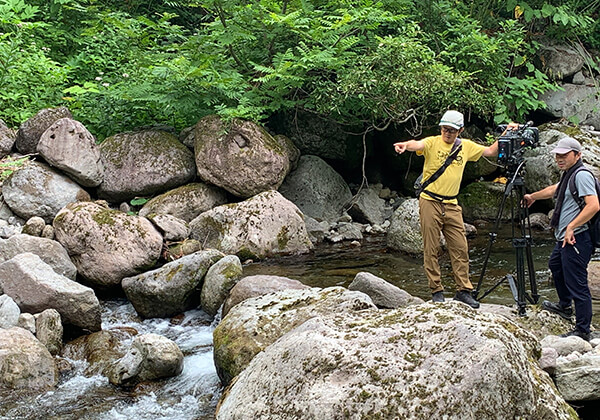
[513, 143]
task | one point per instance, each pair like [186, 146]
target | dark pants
[569, 270]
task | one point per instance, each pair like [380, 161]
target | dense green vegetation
[120, 64]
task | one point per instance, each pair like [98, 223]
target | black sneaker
[438, 297]
[577, 333]
[465, 297]
[564, 312]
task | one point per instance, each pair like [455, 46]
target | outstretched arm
[543, 194]
[410, 145]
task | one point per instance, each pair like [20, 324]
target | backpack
[594, 222]
[420, 185]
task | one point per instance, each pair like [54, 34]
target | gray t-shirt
[586, 185]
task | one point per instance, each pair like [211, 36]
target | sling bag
[420, 186]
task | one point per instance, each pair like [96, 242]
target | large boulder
[258, 285]
[240, 157]
[143, 163]
[106, 245]
[31, 130]
[254, 324]
[37, 190]
[186, 202]
[171, 289]
[577, 103]
[404, 233]
[560, 61]
[51, 252]
[264, 225]
[481, 200]
[577, 378]
[150, 357]
[421, 362]
[24, 362]
[367, 207]
[317, 189]
[35, 286]
[70, 147]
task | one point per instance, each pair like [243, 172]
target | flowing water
[194, 393]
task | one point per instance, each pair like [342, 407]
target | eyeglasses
[449, 130]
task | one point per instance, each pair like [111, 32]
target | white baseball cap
[453, 119]
[566, 145]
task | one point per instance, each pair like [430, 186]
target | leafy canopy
[118, 65]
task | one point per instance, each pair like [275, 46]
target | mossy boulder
[107, 245]
[254, 324]
[171, 289]
[240, 156]
[427, 361]
[262, 226]
[481, 200]
[143, 163]
[186, 202]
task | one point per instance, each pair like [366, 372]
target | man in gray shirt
[571, 255]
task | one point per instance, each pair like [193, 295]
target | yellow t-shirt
[436, 151]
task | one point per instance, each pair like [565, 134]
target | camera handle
[515, 189]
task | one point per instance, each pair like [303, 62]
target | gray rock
[258, 285]
[35, 286]
[31, 130]
[51, 252]
[34, 226]
[186, 202]
[219, 280]
[383, 294]
[24, 362]
[143, 163]
[367, 207]
[262, 226]
[9, 312]
[49, 330]
[316, 230]
[578, 379]
[172, 228]
[417, 362]
[37, 190]
[240, 156]
[560, 60]
[566, 345]
[317, 189]
[27, 322]
[70, 147]
[404, 233]
[150, 357]
[107, 245]
[171, 289]
[577, 103]
[256, 323]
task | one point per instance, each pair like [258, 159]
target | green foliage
[119, 65]
[9, 164]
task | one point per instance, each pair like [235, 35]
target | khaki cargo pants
[438, 217]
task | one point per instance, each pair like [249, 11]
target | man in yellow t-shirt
[438, 208]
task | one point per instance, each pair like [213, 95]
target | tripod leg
[493, 236]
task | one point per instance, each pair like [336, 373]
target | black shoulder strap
[456, 148]
[573, 188]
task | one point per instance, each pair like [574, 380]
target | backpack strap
[456, 148]
[573, 188]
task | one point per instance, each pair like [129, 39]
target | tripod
[515, 188]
